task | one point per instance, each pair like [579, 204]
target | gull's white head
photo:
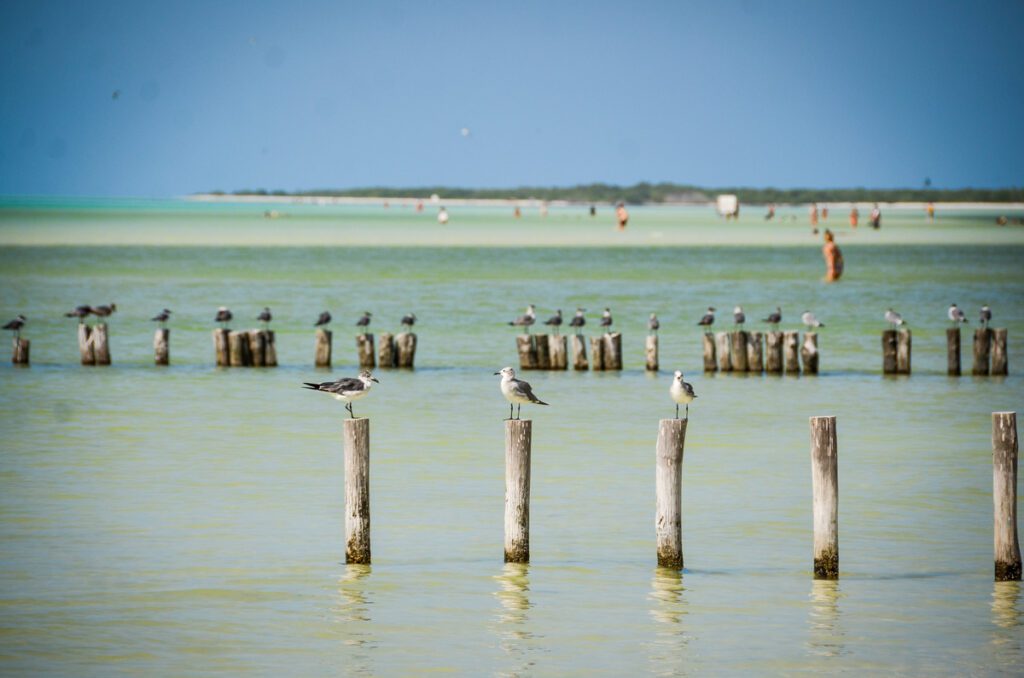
[738, 309]
[366, 377]
[507, 373]
[678, 375]
[653, 316]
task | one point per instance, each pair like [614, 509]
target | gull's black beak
[374, 379]
[497, 373]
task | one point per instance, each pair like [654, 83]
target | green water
[188, 520]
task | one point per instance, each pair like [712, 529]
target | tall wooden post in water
[982, 348]
[579, 353]
[668, 484]
[364, 346]
[755, 352]
[722, 349]
[953, 351]
[651, 353]
[19, 351]
[357, 490]
[903, 345]
[162, 346]
[518, 442]
[999, 360]
[710, 362]
[889, 352]
[322, 357]
[738, 347]
[220, 347]
[1004, 496]
[825, 490]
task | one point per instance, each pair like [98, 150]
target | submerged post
[220, 347]
[85, 348]
[668, 486]
[809, 353]
[322, 357]
[791, 349]
[19, 351]
[357, 490]
[710, 360]
[651, 353]
[405, 350]
[953, 351]
[518, 440]
[999, 361]
[364, 346]
[722, 349]
[556, 349]
[1004, 496]
[773, 352]
[903, 351]
[889, 352]
[161, 346]
[755, 352]
[825, 489]
[738, 345]
[579, 353]
[982, 348]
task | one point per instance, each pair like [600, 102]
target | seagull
[162, 317]
[346, 389]
[653, 324]
[516, 391]
[80, 312]
[16, 325]
[103, 311]
[324, 319]
[774, 318]
[606, 319]
[894, 318]
[810, 320]
[364, 321]
[555, 321]
[985, 316]
[408, 320]
[223, 316]
[578, 320]
[265, 317]
[739, 316]
[709, 318]
[526, 319]
[956, 315]
[682, 393]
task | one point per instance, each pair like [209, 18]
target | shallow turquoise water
[188, 520]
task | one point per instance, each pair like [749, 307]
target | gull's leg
[510, 408]
[677, 410]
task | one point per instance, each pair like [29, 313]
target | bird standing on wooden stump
[223, 317]
[526, 319]
[103, 311]
[16, 325]
[606, 320]
[985, 316]
[956, 315]
[578, 320]
[162, 317]
[265, 317]
[894, 318]
[555, 321]
[682, 393]
[516, 391]
[811, 320]
[408, 320]
[653, 324]
[709, 318]
[346, 389]
[80, 312]
[364, 321]
[774, 318]
[324, 319]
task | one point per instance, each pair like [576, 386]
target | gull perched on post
[653, 324]
[103, 311]
[709, 318]
[606, 320]
[555, 321]
[810, 320]
[80, 312]
[223, 317]
[894, 318]
[526, 319]
[985, 316]
[364, 320]
[516, 391]
[346, 389]
[682, 393]
[324, 319]
[578, 320]
[16, 325]
[265, 317]
[956, 315]
[738, 316]
[408, 321]
[774, 318]
[162, 317]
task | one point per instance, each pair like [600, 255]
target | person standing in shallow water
[622, 216]
[833, 258]
[813, 214]
[854, 216]
[876, 217]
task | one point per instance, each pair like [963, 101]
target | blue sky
[300, 95]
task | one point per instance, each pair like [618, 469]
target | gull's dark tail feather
[315, 387]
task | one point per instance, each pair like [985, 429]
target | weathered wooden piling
[364, 346]
[755, 352]
[357, 490]
[518, 441]
[710, 359]
[542, 349]
[597, 353]
[19, 351]
[221, 350]
[1004, 496]
[773, 352]
[613, 351]
[668, 484]
[162, 346]
[527, 352]
[322, 356]
[953, 351]
[825, 490]
[257, 348]
[557, 351]
[100, 344]
[651, 353]
[982, 350]
[809, 353]
[405, 350]
[579, 353]
[903, 346]
[738, 350]
[889, 352]
[270, 349]
[386, 351]
[724, 352]
[791, 351]
[239, 351]
[85, 349]
[1000, 366]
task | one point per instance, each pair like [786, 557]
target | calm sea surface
[188, 520]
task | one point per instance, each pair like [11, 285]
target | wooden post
[161, 346]
[322, 357]
[651, 351]
[543, 349]
[85, 345]
[405, 350]
[357, 490]
[579, 353]
[755, 352]
[953, 351]
[773, 352]
[722, 349]
[999, 360]
[257, 348]
[710, 361]
[556, 348]
[889, 352]
[364, 345]
[527, 352]
[668, 492]
[518, 440]
[903, 351]
[791, 348]
[19, 351]
[597, 353]
[809, 353]
[386, 350]
[100, 344]
[825, 489]
[1004, 495]
[982, 348]
[613, 351]
[220, 347]
[738, 347]
[238, 349]
[270, 348]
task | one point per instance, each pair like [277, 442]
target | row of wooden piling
[668, 493]
[396, 350]
[246, 348]
[770, 352]
[989, 352]
[549, 352]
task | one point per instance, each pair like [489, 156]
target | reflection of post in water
[668, 609]
[667, 592]
[514, 638]
[352, 614]
[826, 633]
[1006, 613]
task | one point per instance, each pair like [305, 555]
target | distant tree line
[645, 192]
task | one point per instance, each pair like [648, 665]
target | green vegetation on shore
[644, 192]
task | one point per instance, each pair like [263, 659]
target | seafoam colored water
[189, 521]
